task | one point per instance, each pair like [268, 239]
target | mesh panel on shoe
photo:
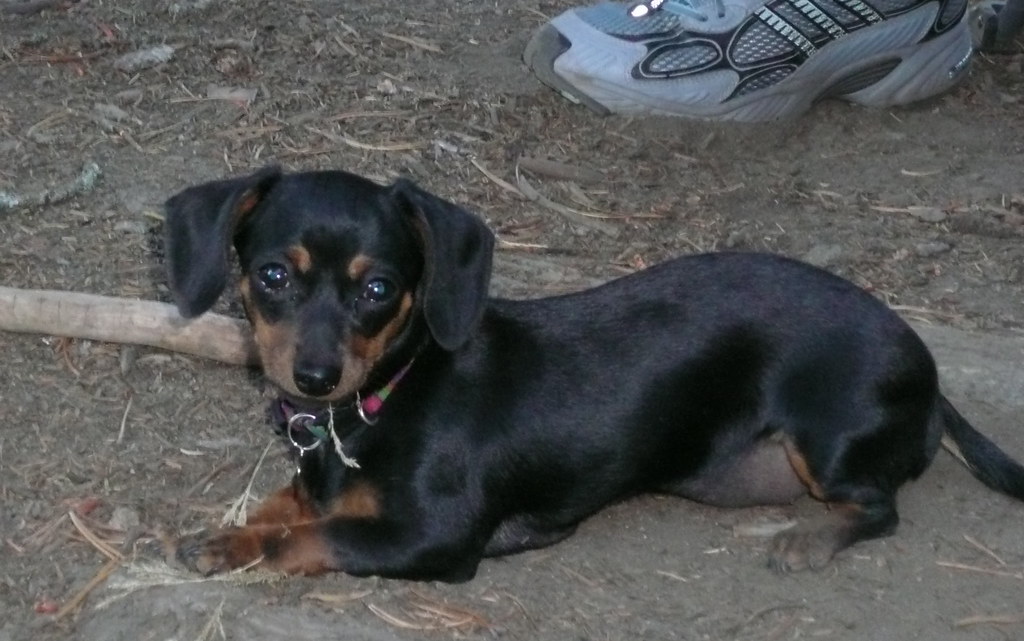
[764, 80]
[690, 56]
[614, 20]
[757, 42]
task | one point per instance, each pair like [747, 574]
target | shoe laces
[699, 10]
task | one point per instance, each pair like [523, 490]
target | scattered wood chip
[573, 215]
[560, 170]
[419, 43]
[497, 180]
[238, 95]
[923, 213]
[345, 140]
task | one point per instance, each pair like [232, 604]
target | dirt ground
[923, 205]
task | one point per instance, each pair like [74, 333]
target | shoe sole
[546, 45]
[878, 79]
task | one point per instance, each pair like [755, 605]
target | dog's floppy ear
[457, 249]
[200, 225]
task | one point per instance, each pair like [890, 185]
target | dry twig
[30, 7]
[84, 182]
[976, 568]
[996, 619]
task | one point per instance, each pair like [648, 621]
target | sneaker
[751, 60]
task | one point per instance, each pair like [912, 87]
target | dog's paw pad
[205, 552]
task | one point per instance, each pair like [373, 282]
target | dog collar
[369, 407]
[294, 423]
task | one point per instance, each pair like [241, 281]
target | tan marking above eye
[300, 257]
[358, 267]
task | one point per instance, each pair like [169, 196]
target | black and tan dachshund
[434, 426]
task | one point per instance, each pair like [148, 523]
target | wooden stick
[123, 320]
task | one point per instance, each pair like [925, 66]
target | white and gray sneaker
[751, 60]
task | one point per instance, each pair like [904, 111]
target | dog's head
[338, 272]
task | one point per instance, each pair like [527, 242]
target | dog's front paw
[213, 552]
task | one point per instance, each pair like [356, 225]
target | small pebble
[124, 519]
[931, 248]
[144, 58]
[824, 255]
[927, 214]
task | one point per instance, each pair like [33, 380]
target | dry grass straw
[424, 612]
[989, 619]
[114, 560]
[336, 600]
[412, 41]
[72, 604]
[356, 144]
[145, 575]
[237, 514]
[214, 625]
[984, 549]
[94, 539]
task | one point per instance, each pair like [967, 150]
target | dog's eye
[273, 276]
[379, 290]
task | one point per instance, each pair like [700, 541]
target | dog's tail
[983, 458]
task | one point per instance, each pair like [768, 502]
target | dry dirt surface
[104, 447]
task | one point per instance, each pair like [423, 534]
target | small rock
[931, 248]
[927, 214]
[128, 96]
[823, 255]
[188, 6]
[124, 519]
[144, 58]
[131, 227]
[111, 112]
[738, 239]
[238, 95]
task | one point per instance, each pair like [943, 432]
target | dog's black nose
[316, 380]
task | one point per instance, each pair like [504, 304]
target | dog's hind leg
[858, 509]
